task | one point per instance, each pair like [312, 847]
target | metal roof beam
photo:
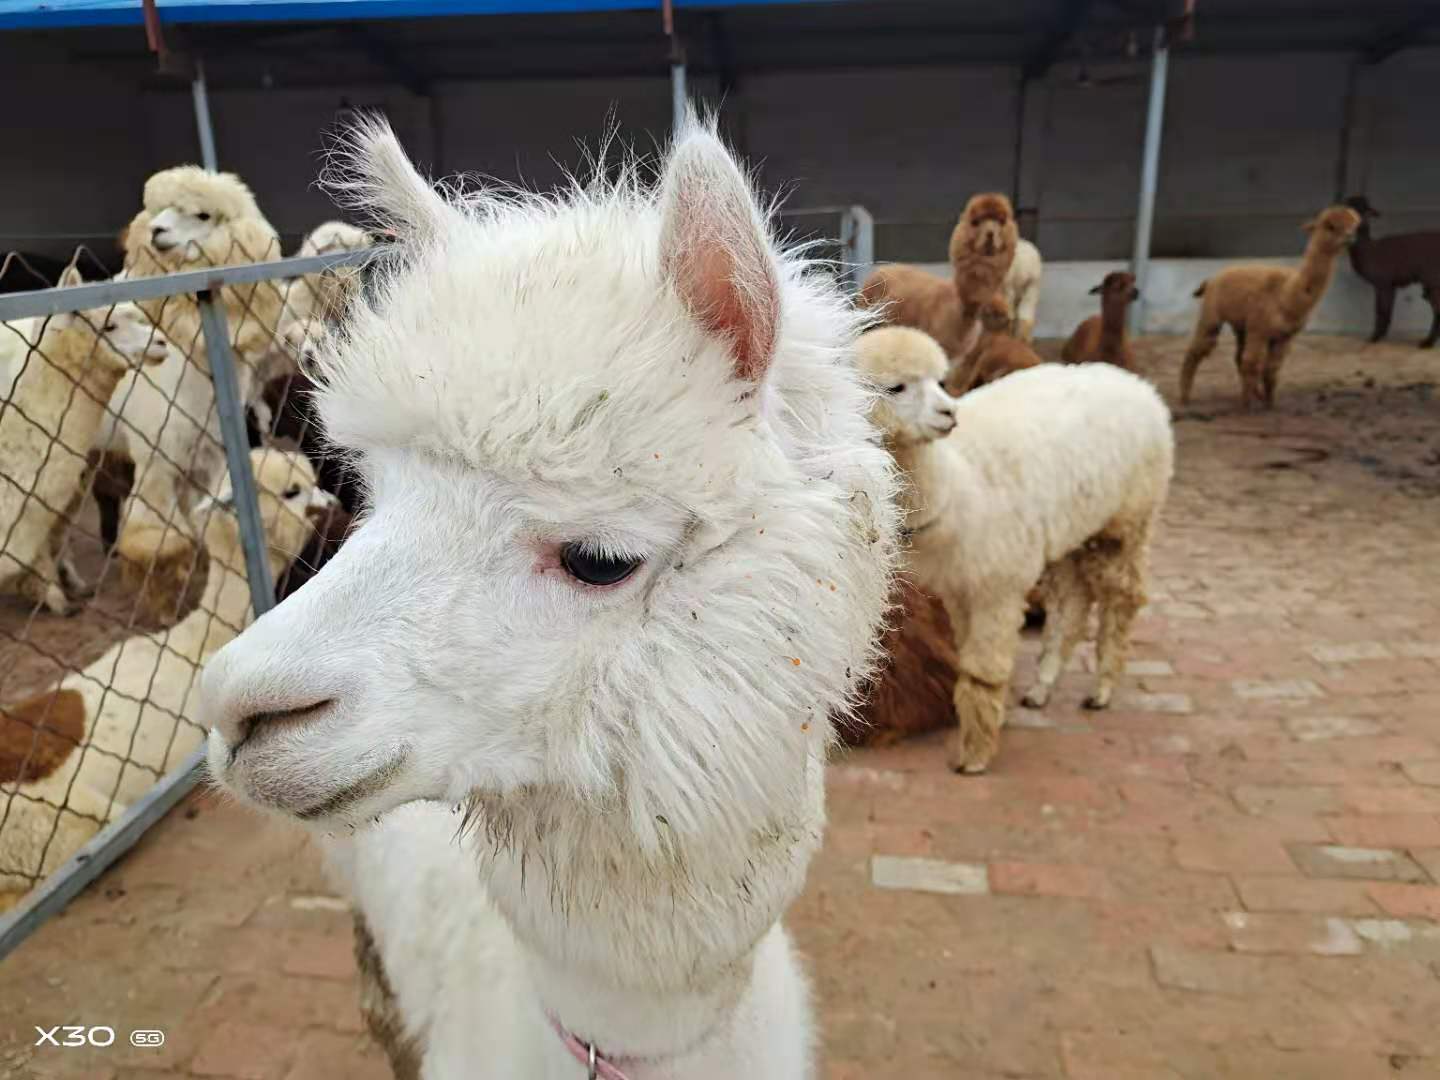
[1387, 46]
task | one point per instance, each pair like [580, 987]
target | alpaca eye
[594, 568]
[110, 328]
[292, 492]
[897, 388]
[203, 216]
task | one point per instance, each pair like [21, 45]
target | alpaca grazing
[1056, 474]
[1267, 306]
[999, 353]
[102, 737]
[628, 547]
[1393, 263]
[1102, 339]
[1022, 289]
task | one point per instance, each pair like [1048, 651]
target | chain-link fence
[161, 480]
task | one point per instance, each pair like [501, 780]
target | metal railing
[154, 375]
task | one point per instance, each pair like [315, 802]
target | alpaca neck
[63, 388]
[1308, 284]
[1112, 328]
[927, 492]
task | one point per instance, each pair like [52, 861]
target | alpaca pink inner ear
[733, 301]
[715, 251]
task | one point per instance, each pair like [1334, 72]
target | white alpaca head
[194, 218]
[124, 337]
[330, 237]
[290, 499]
[631, 531]
[907, 366]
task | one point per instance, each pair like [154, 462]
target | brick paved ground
[1235, 873]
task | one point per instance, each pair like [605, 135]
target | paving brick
[1386, 830]
[1236, 853]
[1136, 701]
[1429, 858]
[1096, 1056]
[1422, 901]
[1267, 799]
[1395, 799]
[1208, 972]
[1276, 689]
[1050, 879]
[1315, 728]
[1371, 864]
[244, 1051]
[1251, 933]
[323, 1055]
[928, 875]
[1350, 653]
[1423, 772]
[1395, 933]
[1313, 895]
[1148, 668]
[324, 956]
[1423, 650]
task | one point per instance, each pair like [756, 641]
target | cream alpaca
[47, 421]
[630, 546]
[324, 295]
[1022, 289]
[1059, 471]
[110, 730]
[1267, 306]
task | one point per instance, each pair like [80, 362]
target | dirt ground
[1233, 873]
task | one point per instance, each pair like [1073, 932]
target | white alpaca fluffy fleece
[1022, 289]
[613, 376]
[1054, 470]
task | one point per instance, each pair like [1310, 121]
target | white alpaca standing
[1022, 289]
[1055, 470]
[630, 544]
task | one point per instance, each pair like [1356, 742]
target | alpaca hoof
[1035, 699]
[1095, 703]
[971, 768]
[1035, 618]
[1427, 344]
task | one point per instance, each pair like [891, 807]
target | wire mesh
[122, 555]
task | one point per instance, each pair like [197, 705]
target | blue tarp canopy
[47, 14]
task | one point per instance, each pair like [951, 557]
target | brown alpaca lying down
[999, 352]
[1102, 338]
[912, 694]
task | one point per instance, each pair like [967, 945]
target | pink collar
[600, 1068]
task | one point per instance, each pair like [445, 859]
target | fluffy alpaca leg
[1273, 360]
[1252, 369]
[1202, 344]
[1384, 308]
[987, 656]
[1115, 571]
[1433, 295]
[1067, 604]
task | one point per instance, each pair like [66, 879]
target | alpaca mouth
[352, 795]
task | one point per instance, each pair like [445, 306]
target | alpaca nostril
[273, 720]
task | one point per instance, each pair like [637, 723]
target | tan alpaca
[917, 298]
[1267, 306]
[1102, 338]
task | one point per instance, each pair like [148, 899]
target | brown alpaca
[912, 694]
[1267, 306]
[999, 352]
[982, 247]
[1102, 338]
[916, 298]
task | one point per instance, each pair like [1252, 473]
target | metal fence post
[857, 235]
[231, 411]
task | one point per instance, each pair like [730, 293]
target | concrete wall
[1169, 306]
[1252, 147]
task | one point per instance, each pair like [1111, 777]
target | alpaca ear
[1311, 225]
[715, 250]
[70, 277]
[1098, 289]
[370, 172]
